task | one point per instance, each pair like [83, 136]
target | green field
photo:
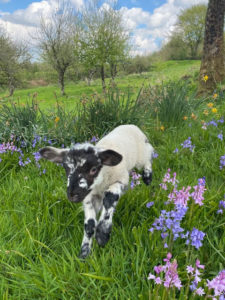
[41, 231]
[161, 72]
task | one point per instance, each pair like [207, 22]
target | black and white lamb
[98, 175]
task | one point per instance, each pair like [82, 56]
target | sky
[150, 22]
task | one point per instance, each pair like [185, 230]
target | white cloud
[147, 28]
[23, 23]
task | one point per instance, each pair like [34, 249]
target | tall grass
[41, 231]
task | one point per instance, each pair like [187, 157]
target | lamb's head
[82, 163]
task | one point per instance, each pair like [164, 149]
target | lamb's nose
[73, 198]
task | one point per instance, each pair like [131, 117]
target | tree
[212, 68]
[13, 58]
[190, 25]
[104, 39]
[57, 38]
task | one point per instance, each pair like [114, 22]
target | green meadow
[41, 231]
[48, 95]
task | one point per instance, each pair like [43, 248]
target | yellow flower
[205, 112]
[215, 96]
[185, 118]
[205, 78]
[214, 110]
[210, 104]
[194, 117]
[162, 128]
[57, 119]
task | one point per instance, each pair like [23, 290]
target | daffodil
[206, 77]
[214, 110]
[57, 119]
[185, 118]
[210, 104]
[215, 96]
[194, 117]
[162, 128]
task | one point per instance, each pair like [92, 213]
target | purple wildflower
[170, 221]
[220, 136]
[171, 277]
[155, 154]
[168, 179]
[218, 284]
[196, 238]
[222, 162]
[150, 204]
[221, 207]
[197, 195]
[135, 179]
[94, 139]
[213, 123]
[200, 291]
[188, 144]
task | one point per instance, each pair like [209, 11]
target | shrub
[171, 102]
[18, 121]
[101, 114]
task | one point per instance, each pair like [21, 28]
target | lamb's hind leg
[147, 172]
[110, 201]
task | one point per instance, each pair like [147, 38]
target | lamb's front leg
[89, 227]
[110, 201]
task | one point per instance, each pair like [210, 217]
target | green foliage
[170, 102]
[19, 121]
[191, 24]
[102, 114]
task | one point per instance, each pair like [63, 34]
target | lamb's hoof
[85, 251]
[102, 234]
[147, 178]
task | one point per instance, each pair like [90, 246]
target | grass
[47, 96]
[41, 231]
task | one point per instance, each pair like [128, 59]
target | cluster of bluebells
[135, 179]
[212, 123]
[195, 275]
[221, 206]
[166, 274]
[188, 144]
[170, 221]
[217, 284]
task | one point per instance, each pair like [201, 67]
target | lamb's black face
[82, 167]
[83, 164]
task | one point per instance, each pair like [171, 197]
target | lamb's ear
[110, 157]
[53, 154]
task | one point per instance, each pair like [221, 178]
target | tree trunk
[61, 82]
[103, 78]
[11, 87]
[212, 70]
[113, 71]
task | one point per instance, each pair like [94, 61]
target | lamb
[98, 175]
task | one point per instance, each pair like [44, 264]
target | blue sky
[148, 5]
[150, 22]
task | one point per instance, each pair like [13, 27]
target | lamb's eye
[93, 171]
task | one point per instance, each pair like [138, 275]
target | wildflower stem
[191, 212]
[165, 294]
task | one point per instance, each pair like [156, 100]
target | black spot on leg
[102, 234]
[147, 177]
[109, 199]
[89, 227]
[85, 251]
